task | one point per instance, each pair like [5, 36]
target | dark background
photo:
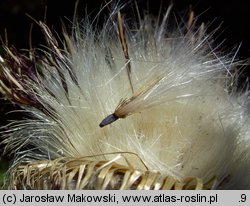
[234, 16]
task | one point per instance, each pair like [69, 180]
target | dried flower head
[173, 92]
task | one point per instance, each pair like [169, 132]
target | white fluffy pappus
[172, 93]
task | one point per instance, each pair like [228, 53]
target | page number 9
[243, 198]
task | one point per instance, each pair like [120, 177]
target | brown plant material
[83, 173]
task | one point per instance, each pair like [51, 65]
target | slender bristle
[183, 117]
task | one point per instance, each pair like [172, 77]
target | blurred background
[233, 16]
